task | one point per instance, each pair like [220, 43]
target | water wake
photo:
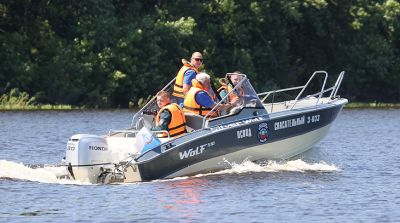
[48, 174]
[275, 166]
[45, 174]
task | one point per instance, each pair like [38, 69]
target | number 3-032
[313, 118]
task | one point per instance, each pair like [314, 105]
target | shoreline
[371, 105]
[351, 105]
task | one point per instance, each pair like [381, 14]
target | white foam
[300, 165]
[19, 171]
[274, 166]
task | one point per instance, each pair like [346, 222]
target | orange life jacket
[178, 86]
[234, 95]
[223, 87]
[177, 124]
[190, 104]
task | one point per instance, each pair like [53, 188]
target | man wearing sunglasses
[185, 76]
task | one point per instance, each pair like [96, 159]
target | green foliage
[17, 100]
[115, 53]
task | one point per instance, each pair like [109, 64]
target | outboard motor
[87, 156]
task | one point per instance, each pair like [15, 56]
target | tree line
[113, 53]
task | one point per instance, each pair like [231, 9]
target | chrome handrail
[333, 89]
[277, 91]
[337, 84]
[113, 131]
[306, 85]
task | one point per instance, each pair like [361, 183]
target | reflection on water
[185, 190]
[181, 197]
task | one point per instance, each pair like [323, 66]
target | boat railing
[298, 98]
[224, 99]
[338, 82]
[306, 85]
[134, 132]
[126, 133]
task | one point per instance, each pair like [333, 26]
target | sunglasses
[198, 59]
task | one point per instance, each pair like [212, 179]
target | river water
[353, 175]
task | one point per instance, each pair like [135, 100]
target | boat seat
[193, 122]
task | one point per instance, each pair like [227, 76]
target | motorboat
[258, 127]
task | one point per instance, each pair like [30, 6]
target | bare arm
[186, 88]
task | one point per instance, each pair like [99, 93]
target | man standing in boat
[170, 117]
[185, 76]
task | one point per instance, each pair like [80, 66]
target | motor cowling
[87, 154]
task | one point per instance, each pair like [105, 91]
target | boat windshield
[240, 94]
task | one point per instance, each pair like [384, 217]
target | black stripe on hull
[222, 140]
